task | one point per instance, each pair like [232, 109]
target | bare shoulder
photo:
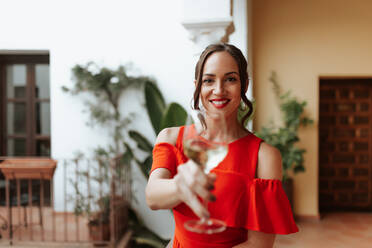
[269, 162]
[168, 135]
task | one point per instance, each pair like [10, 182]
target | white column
[205, 32]
[208, 21]
[242, 37]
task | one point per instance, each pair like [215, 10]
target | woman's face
[220, 90]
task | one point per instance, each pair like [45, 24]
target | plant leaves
[175, 115]
[128, 154]
[155, 105]
[145, 166]
[142, 142]
[143, 235]
[286, 137]
[299, 168]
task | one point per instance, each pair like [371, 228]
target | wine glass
[207, 148]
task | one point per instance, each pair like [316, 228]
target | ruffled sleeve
[164, 156]
[269, 210]
[253, 204]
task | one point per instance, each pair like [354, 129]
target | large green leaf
[145, 166]
[155, 105]
[142, 235]
[128, 154]
[142, 142]
[175, 116]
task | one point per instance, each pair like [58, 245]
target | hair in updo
[242, 64]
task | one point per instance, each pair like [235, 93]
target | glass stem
[204, 220]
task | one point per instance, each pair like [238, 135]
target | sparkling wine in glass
[207, 150]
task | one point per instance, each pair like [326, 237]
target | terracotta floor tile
[334, 230]
[76, 227]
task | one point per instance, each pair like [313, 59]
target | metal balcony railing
[95, 196]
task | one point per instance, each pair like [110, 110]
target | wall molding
[207, 31]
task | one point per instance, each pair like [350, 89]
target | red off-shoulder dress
[243, 201]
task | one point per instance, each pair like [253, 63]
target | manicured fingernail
[213, 176]
[210, 187]
[212, 198]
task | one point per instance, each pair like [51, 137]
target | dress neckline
[239, 139]
[230, 143]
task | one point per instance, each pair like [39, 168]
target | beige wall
[302, 40]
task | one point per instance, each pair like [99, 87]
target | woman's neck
[227, 128]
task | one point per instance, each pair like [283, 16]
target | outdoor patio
[91, 90]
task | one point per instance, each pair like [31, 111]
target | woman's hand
[191, 182]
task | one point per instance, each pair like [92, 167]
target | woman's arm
[161, 191]
[269, 166]
[164, 192]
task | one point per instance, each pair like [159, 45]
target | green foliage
[99, 173]
[285, 138]
[105, 88]
[175, 115]
[146, 146]
[142, 142]
[161, 116]
[141, 235]
[155, 105]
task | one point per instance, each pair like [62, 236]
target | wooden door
[345, 144]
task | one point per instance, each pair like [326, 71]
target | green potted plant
[105, 87]
[95, 206]
[99, 222]
[285, 137]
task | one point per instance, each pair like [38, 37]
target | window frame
[31, 136]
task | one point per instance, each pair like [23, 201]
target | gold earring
[243, 106]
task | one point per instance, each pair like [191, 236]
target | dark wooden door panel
[345, 144]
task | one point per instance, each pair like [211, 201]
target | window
[25, 105]
[24, 113]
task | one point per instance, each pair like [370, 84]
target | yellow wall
[302, 40]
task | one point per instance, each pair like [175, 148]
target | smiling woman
[224, 64]
[221, 85]
[246, 187]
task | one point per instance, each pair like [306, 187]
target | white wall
[147, 33]
[205, 9]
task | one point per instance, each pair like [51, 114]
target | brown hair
[242, 64]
